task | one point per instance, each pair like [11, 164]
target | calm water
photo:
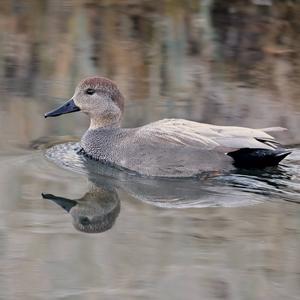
[235, 236]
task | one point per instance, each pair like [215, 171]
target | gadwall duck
[169, 147]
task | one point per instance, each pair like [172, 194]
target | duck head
[99, 98]
[94, 212]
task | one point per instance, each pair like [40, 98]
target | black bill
[65, 203]
[66, 108]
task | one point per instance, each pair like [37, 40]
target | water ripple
[238, 188]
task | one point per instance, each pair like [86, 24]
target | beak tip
[66, 108]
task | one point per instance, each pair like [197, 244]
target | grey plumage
[167, 148]
[171, 148]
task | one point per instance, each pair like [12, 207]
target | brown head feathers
[104, 85]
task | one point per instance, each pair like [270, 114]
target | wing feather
[207, 136]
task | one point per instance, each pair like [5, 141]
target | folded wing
[207, 136]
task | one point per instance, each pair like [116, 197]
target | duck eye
[90, 91]
[84, 220]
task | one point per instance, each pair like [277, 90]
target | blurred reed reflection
[215, 61]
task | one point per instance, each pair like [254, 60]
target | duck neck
[109, 122]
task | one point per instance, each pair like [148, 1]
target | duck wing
[207, 136]
[187, 147]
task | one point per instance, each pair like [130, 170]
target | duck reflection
[98, 209]
[95, 212]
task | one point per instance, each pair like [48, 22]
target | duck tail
[258, 158]
[281, 154]
[273, 129]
